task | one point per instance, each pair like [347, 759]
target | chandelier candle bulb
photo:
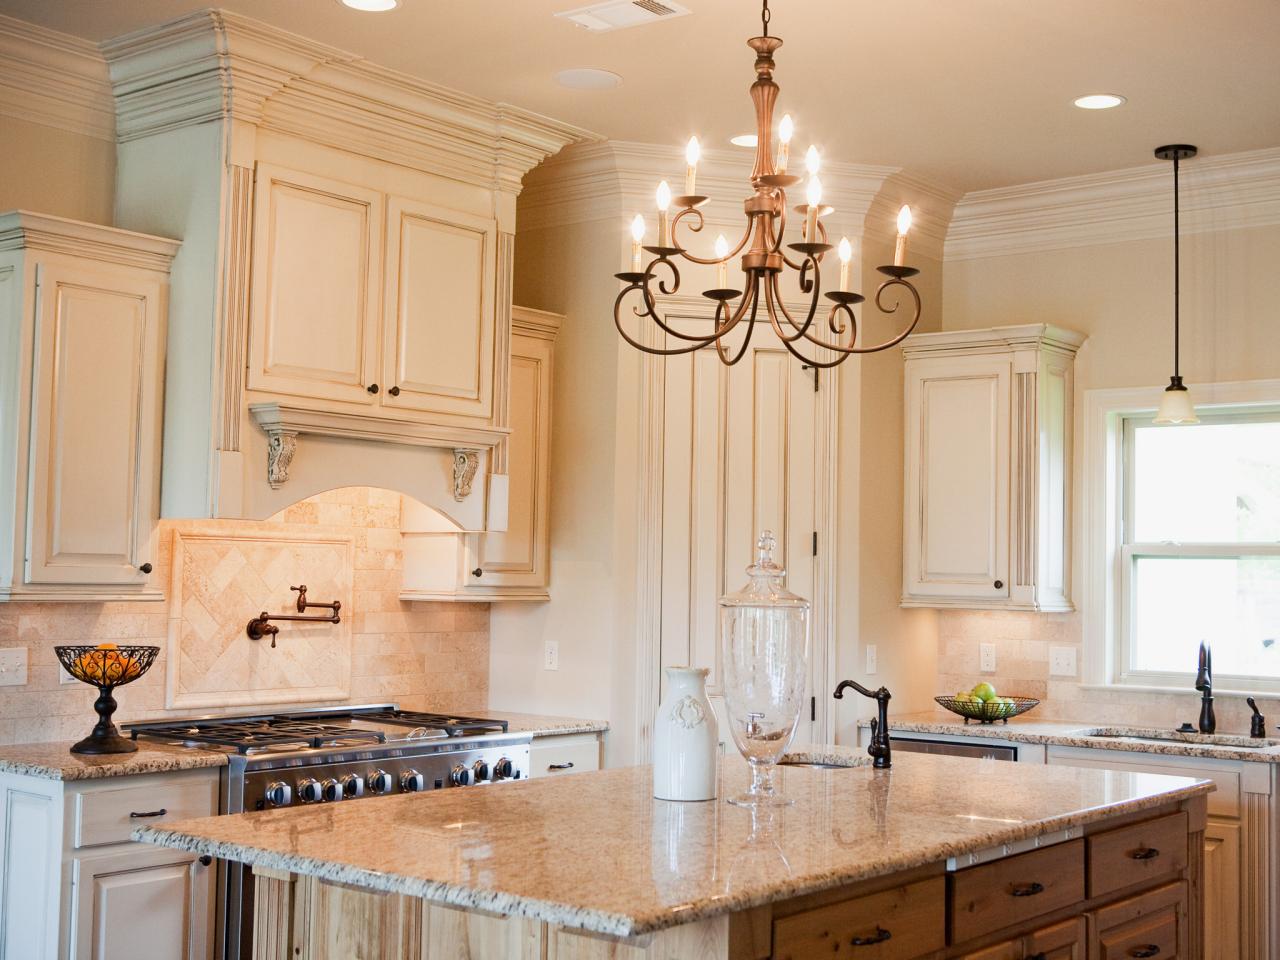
[691, 154]
[785, 131]
[722, 268]
[637, 235]
[814, 196]
[900, 248]
[812, 161]
[845, 251]
[664, 223]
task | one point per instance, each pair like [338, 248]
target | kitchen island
[937, 857]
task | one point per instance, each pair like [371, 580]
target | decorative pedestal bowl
[106, 668]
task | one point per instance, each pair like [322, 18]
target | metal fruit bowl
[988, 711]
[106, 668]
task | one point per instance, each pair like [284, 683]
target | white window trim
[1101, 471]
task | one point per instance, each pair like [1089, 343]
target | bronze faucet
[879, 749]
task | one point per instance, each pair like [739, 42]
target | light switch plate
[987, 657]
[13, 666]
[871, 659]
[551, 655]
[1062, 661]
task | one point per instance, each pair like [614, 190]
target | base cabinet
[1061, 941]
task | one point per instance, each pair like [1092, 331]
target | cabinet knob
[999, 584]
[372, 388]
[205, 860]
[394, 391]
[478, 572]
[146, 568]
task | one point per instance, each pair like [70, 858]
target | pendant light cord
[1177, 261]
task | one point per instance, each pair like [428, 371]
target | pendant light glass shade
[1176, 406]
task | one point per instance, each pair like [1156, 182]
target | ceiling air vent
[619, 14]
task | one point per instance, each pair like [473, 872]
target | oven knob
[462, 776]
[309, 791]
[380, 781]
[481, 770]
[411, 781]
[331, 791]
[504, 769]
[352, 786]
[279, 795]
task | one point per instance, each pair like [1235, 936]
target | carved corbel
[281, 446]
[465, 464]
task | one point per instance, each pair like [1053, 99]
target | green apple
[984, 691]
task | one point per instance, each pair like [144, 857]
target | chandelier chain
[765, 16]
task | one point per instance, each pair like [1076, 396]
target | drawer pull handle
[1150, 950]
[135, 815]
[567, 765]
[1039, 956]
[881, 936]
[1146, 853]
[1026, 889]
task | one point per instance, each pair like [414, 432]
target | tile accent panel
[426, 656]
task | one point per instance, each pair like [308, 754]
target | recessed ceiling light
[1099, 101]
[744, 140]
[588, 78]
[371, 6]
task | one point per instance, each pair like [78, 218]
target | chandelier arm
[790, 345]
[746, 235]
[650, 310]
[894, 341]
[776, 300]
[751, 326]
[645, 348]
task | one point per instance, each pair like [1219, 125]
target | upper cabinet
[988, 468]
[82, 335]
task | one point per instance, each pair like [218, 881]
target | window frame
[1109, 557]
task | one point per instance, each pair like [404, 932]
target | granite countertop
[544, 726]
[55, 761]
[1066, 733]
[596, 852]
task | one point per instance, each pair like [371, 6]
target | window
[1198, 555]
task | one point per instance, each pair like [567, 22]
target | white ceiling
[969, 93]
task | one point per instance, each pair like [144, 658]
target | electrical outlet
[987, 657]
[551, 655]
[64, 677]
[1062, 661]
[13, 666]
[871, 659]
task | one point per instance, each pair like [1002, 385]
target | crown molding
[1227, 192]
[54, 79]
[23, 230]
[217, 65]
[611, 180]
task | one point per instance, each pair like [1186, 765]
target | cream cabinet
[74, 887]
[441, 563]
[987, 468]
[555, 756]
[82, 341]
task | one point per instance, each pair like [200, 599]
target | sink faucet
[1204, 683]
[879, 749]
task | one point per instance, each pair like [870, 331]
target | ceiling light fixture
[744, 140]
[371, 6]
[764, 261]
[1099, 101]
[1175, 403]
[588, 78]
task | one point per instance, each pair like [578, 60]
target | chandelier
[818, 342]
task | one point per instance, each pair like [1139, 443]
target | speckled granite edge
[546, 726]
[644, 922]
[1095, 737]
[55, 761]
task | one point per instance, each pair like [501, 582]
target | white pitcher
[685, 739]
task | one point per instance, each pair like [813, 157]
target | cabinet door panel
[957, 468]
[96, 424]
[439, 310]
[1222, 887]
[165, 893]
[314, 327]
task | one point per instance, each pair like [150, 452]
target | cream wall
[1120, 294]
[49, 170]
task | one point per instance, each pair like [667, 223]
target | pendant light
[1175, 404]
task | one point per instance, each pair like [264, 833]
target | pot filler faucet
[879, 749]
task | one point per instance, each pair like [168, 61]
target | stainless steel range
[330, 756]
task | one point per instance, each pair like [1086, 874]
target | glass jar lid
[765, 586]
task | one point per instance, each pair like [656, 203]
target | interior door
[738, 458]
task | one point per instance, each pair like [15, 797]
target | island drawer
[108, 814]
[904, 921]
[1148, 925]
[1138, 852]
[554, 756]
[1006, 892]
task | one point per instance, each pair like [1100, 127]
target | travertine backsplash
[426, 656]
[1022, 669]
